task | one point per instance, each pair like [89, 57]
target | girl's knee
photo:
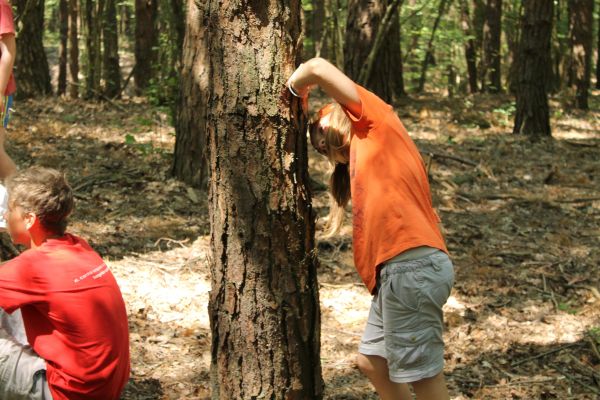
[370, 365]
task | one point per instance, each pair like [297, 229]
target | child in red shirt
[73, 310]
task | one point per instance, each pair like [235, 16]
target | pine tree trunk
[31, 66]
[63, 16]
[598, 57]
[428, 59]
[146, 39]
[512, 34]
[581, 28]
[177, 9]
[364, 21]
[74, 49]
[532, 116]
[93, 16]
[263, 306]
[189, 162]
[318, 26]
[492, 32]
[111, 67]
[470, 46]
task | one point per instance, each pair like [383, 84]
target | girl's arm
[338, 86]
[8, 48]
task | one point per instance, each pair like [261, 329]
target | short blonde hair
[44, 192]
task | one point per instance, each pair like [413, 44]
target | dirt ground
[522, 222]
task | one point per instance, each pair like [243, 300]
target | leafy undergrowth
[521, 221]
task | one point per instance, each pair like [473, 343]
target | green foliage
[566, 307]
[143, 148]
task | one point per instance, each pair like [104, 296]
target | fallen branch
[566, 346]
[572, 379]
[526, 382]
[451, 157]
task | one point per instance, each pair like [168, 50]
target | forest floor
[522, 221]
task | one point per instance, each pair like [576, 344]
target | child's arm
[8, 47]
[338, 86]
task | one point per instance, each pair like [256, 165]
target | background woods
[194, 179]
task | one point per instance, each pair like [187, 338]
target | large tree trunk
[263, 306]
[492, 32]
[63, 16]
[364, 22]
[146, 39]
[74, 50]
[189, 162]
[532, 116]
[31, 67]
[581, 28]
[110, 36]
[470, 46]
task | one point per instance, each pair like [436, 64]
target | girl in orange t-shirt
[399, 251]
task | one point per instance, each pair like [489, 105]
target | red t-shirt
[391, 200]
[7, 26]
[74, 317]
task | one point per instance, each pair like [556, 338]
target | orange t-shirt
[391, 199]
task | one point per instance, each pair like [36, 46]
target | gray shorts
[22, 371]
[405, 322]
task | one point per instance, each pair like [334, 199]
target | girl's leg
[431, 388]
[376, 369]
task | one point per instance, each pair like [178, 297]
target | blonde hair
[337, 142]
[44, 192]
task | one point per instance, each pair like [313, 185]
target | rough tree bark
[146, 39]
[190, 163]
[491, 80]
[364, 22]
[581, 21]
[31, 66]
[263, 306]
[532, 116]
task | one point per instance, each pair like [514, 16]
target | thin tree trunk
[31, 66]
[189, 162]
[581, 24]
[598, 57]
[532, 116]
[179, 21]
[492, 31]
[146, 40]
[111, 67]
[429, 51]
[63, 16]
[93, 16]
[318, 25]
[73, 50]
[470, 46]
[263, 307]
[512, 32]
[372, 53]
